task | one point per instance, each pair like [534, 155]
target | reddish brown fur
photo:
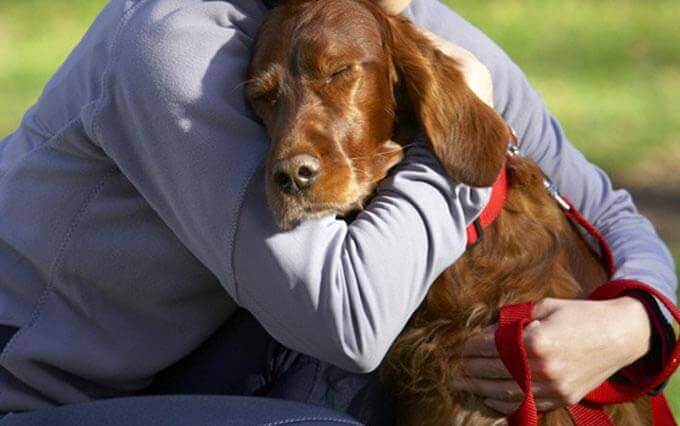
[325, 79]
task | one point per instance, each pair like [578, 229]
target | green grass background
[609, 70]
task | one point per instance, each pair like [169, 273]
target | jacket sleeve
[174, 121]
[343, 292]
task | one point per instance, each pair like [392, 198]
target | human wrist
[634, 327]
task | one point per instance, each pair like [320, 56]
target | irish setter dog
[330, 80]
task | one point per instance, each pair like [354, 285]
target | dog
[341, 88]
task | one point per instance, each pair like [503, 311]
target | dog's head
[330, 79]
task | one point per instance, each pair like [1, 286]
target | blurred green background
[609, 70]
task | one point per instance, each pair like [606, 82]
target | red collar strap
[499, 192]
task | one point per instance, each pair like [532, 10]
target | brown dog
[330, 79]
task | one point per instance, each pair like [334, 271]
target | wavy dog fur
[319, 68]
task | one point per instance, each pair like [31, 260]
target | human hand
[393, 7]
[573, 346]
[477, 76]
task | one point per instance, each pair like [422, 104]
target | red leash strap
[589, 412]
[513, 319]
[663, 416]
[605, 251]
[586, 414]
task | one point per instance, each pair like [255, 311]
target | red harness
[499, 192]
[514, 318]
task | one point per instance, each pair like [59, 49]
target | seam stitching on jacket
[106, 75]
[45, 143]
[312, 419]
[42, 300]
[235, 227]
[42, 128]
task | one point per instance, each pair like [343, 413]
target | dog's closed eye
[264, 88]
[342, 71]
[270, 97]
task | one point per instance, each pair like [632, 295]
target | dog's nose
[297, 173]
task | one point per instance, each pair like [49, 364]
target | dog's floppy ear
[468, 136]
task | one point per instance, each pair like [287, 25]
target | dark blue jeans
[182, 410]
[240, 376]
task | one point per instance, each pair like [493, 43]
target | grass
[35, 37]
[673, 395]
[609, 70]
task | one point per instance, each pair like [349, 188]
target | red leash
[514, 318]
[589, 411]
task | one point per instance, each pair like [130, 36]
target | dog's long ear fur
[468, 136]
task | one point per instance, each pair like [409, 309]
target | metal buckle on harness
[555, 194]
[514, 151]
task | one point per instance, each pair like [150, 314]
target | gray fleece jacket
[133, 220]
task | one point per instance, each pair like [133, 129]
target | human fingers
[485, 368]
[507, 408]
[503, 390]
[481, 345]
